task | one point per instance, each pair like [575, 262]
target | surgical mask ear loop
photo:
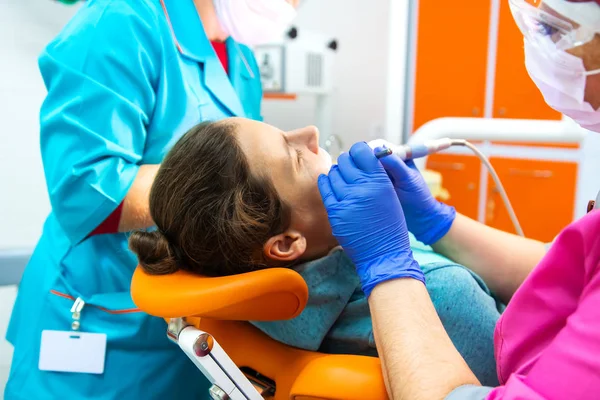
[593, 72]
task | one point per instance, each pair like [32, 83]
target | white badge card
[69, 351]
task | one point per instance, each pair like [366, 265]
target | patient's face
[293, 161]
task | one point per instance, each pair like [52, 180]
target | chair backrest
[264, 295]
[222, 304]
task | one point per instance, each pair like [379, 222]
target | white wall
[360, 73]
[25, 27]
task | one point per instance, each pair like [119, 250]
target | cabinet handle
[490, 210]
[535, 173]
[442, 165]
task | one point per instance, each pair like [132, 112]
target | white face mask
[253, 22]
[562, 78]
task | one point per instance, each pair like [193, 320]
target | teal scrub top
[125, 80]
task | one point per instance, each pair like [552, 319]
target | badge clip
[76, 313]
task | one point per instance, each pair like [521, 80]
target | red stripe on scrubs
[111, 223]
[221, 50]
[123, 311]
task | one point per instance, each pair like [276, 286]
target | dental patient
[238, 195]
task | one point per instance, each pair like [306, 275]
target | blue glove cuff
[394, 270]
[438, 225]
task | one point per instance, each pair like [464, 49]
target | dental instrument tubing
[409, 152]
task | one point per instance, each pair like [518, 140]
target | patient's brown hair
[213, 216]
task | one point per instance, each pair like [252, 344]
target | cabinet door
[460, 176]
[452, 42]
[515, 94]
[542, 194]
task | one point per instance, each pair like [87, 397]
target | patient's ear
[287, 246]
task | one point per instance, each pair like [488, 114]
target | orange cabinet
[542, 194]
[515, 94]
[460, 176]
[450, 80]
[451, 54]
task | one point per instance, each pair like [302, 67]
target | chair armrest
[340, 377]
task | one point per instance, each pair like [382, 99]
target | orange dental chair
[206, 318]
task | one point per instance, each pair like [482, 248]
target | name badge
[68, 351]
[73, 351]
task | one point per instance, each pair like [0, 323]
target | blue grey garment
[467, 310]
[331, 282]
[337, 317]
[469, 392]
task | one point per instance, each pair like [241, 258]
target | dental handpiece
[410, 152]
[382, 148]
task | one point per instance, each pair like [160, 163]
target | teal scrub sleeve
[250, 57]
[101, 79]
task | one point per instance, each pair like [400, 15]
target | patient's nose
[307, 136]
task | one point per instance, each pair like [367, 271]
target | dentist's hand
[428, 219]
[367, 219]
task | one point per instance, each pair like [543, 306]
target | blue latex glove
[367, 219]
[428, 219]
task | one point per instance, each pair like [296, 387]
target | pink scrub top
[547, 342]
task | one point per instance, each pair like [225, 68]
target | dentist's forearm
[418, 358]
[136, 206]
[503, 260]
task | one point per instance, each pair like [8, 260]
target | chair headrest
[265, 295]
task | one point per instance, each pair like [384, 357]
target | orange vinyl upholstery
[220, 306]
[264, 295]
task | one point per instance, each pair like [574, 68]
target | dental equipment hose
[409, 152]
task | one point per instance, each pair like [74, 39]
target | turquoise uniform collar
[187, 29]
[192, 42]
